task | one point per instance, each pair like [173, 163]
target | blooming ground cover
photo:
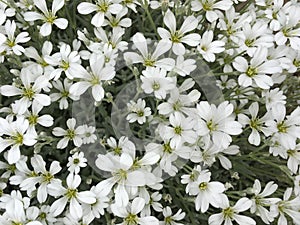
[149, 112]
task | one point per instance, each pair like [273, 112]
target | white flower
[102, 7]
[155, 80]
[285, 130]
[180, 132]
[273, 97]
[41, 176]
[172, 219]
[253, 37]
[138, 111]
[208, 47]
[70, 195]
[89, 137]
[11, 43]
[289, 30]
[178, 37]
[256, 124]
[48, 16]
[71, 133]
[34, 119]
[76, 161]
[68, 61]
[217, 122]
[207, 192]
[149, 59]
[257, 70]
[5, 12]
[288, 206]
[168, 155]
[209, 6]
[94, 79]
[64, 93]
[29, 92]
[179, 102]
[259, 200]
[231, 213]
[118, 21]
[121, 174]
[129, 214]
[112, 39]
[16, 135]
[184, 67]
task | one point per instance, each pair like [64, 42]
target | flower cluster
[149, 112]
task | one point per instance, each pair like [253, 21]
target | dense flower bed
[149, 112]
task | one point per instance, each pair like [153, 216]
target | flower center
[254, 124]
[251, 72]
[103, 7]
[33, 119]
[70, 134]
[168, 220]
[282, 128]
[47, 177]
[149, 62]
[211, 126]
[249, 42]
[28, 93]
[18, 139]
[131, 219]
[178, 130]
[121, 174]
[176, 37]
[140, 113]
[43, 215]
[167, 148]
[65, 65]
[11, 43]
[65, 94]
[155, 86]
[76, 161]
[71, 193]
[203, 186]
[117, 151]
[50, 18]
[207, 6]
[228, 212]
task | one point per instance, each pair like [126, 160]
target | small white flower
[210, 7]
[180, 132]
[257, 70]
[76, 161]
[207, 192]
[99, 73]
[130, 213]
[259, 200]
[231, 213]
[71, 133]
[178, 37]
[172, 219]
[16, 134]
[208, 48]
[48, 16]
[217, 122]
[102, 7]
[70, 195]
[11, 43]
[155, 80]
[138, 111]
[147, 58]
[64, 93]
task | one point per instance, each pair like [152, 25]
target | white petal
[61, 23]
[86, 8]
[46, 29]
